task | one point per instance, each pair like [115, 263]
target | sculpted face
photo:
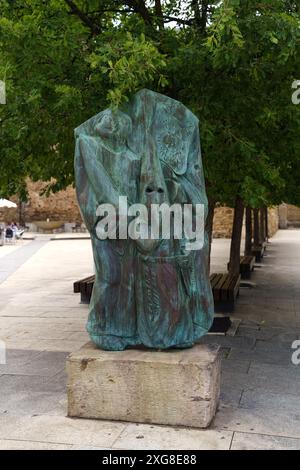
[114, 128]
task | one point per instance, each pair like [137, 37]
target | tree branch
[95, 28]
[139, 7]
[159, 13]
[204, 14]
[109, 10]
[168, 19]
[195, 7]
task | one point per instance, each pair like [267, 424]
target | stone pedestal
[179, 387]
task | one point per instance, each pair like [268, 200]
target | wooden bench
[85, 288]
[224, 286]
[247, 266]
[258, 251]
[226, 289]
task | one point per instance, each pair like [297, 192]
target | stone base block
[179, 387]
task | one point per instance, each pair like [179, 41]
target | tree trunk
[21, 215]
[235, 249]
[262, 232]
[248, 239]
[267, 222]
[159, 13]
[256, 227]
[209, 226]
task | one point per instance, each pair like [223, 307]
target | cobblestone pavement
[41, 321]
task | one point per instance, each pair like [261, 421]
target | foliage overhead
[232, 62]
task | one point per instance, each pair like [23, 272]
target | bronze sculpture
[154, 292]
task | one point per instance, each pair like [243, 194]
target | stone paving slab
[231, 395]
[273, 334]
[12, 261]
[245, 441]
[10, 384]
[32, 445]
[275, 371]
[58, 382]
[238, 366]
[16, 359]
[273, 384]
[270, 401]
[259, 421]
[39, 330]
[282, 347]
[274, 356]
[240, 342]
[268, 317]
[10, 444]
[46, 345]
[149, 437]
[60, 430]
[42, 364]
[81, 311]
[28, 404]
[260, 387]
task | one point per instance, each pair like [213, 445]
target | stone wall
[61, 206]
[9, 215]
[223, 221]
[293, 215]
[289, 216]
[273, 221]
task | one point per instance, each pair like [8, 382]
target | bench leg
[84, 298]
[224, 307]
[246, 275]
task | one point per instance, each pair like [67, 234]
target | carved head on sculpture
[113, 127]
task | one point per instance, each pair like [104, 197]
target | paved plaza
[42, 321]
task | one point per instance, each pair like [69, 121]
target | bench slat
[234, 288]
[219, 287]
[85, 288]
[225, 290]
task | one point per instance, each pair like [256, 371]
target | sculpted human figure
[154, 292]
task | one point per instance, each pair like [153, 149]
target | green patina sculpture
[151, 292]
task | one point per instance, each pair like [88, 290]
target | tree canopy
[232, 62]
